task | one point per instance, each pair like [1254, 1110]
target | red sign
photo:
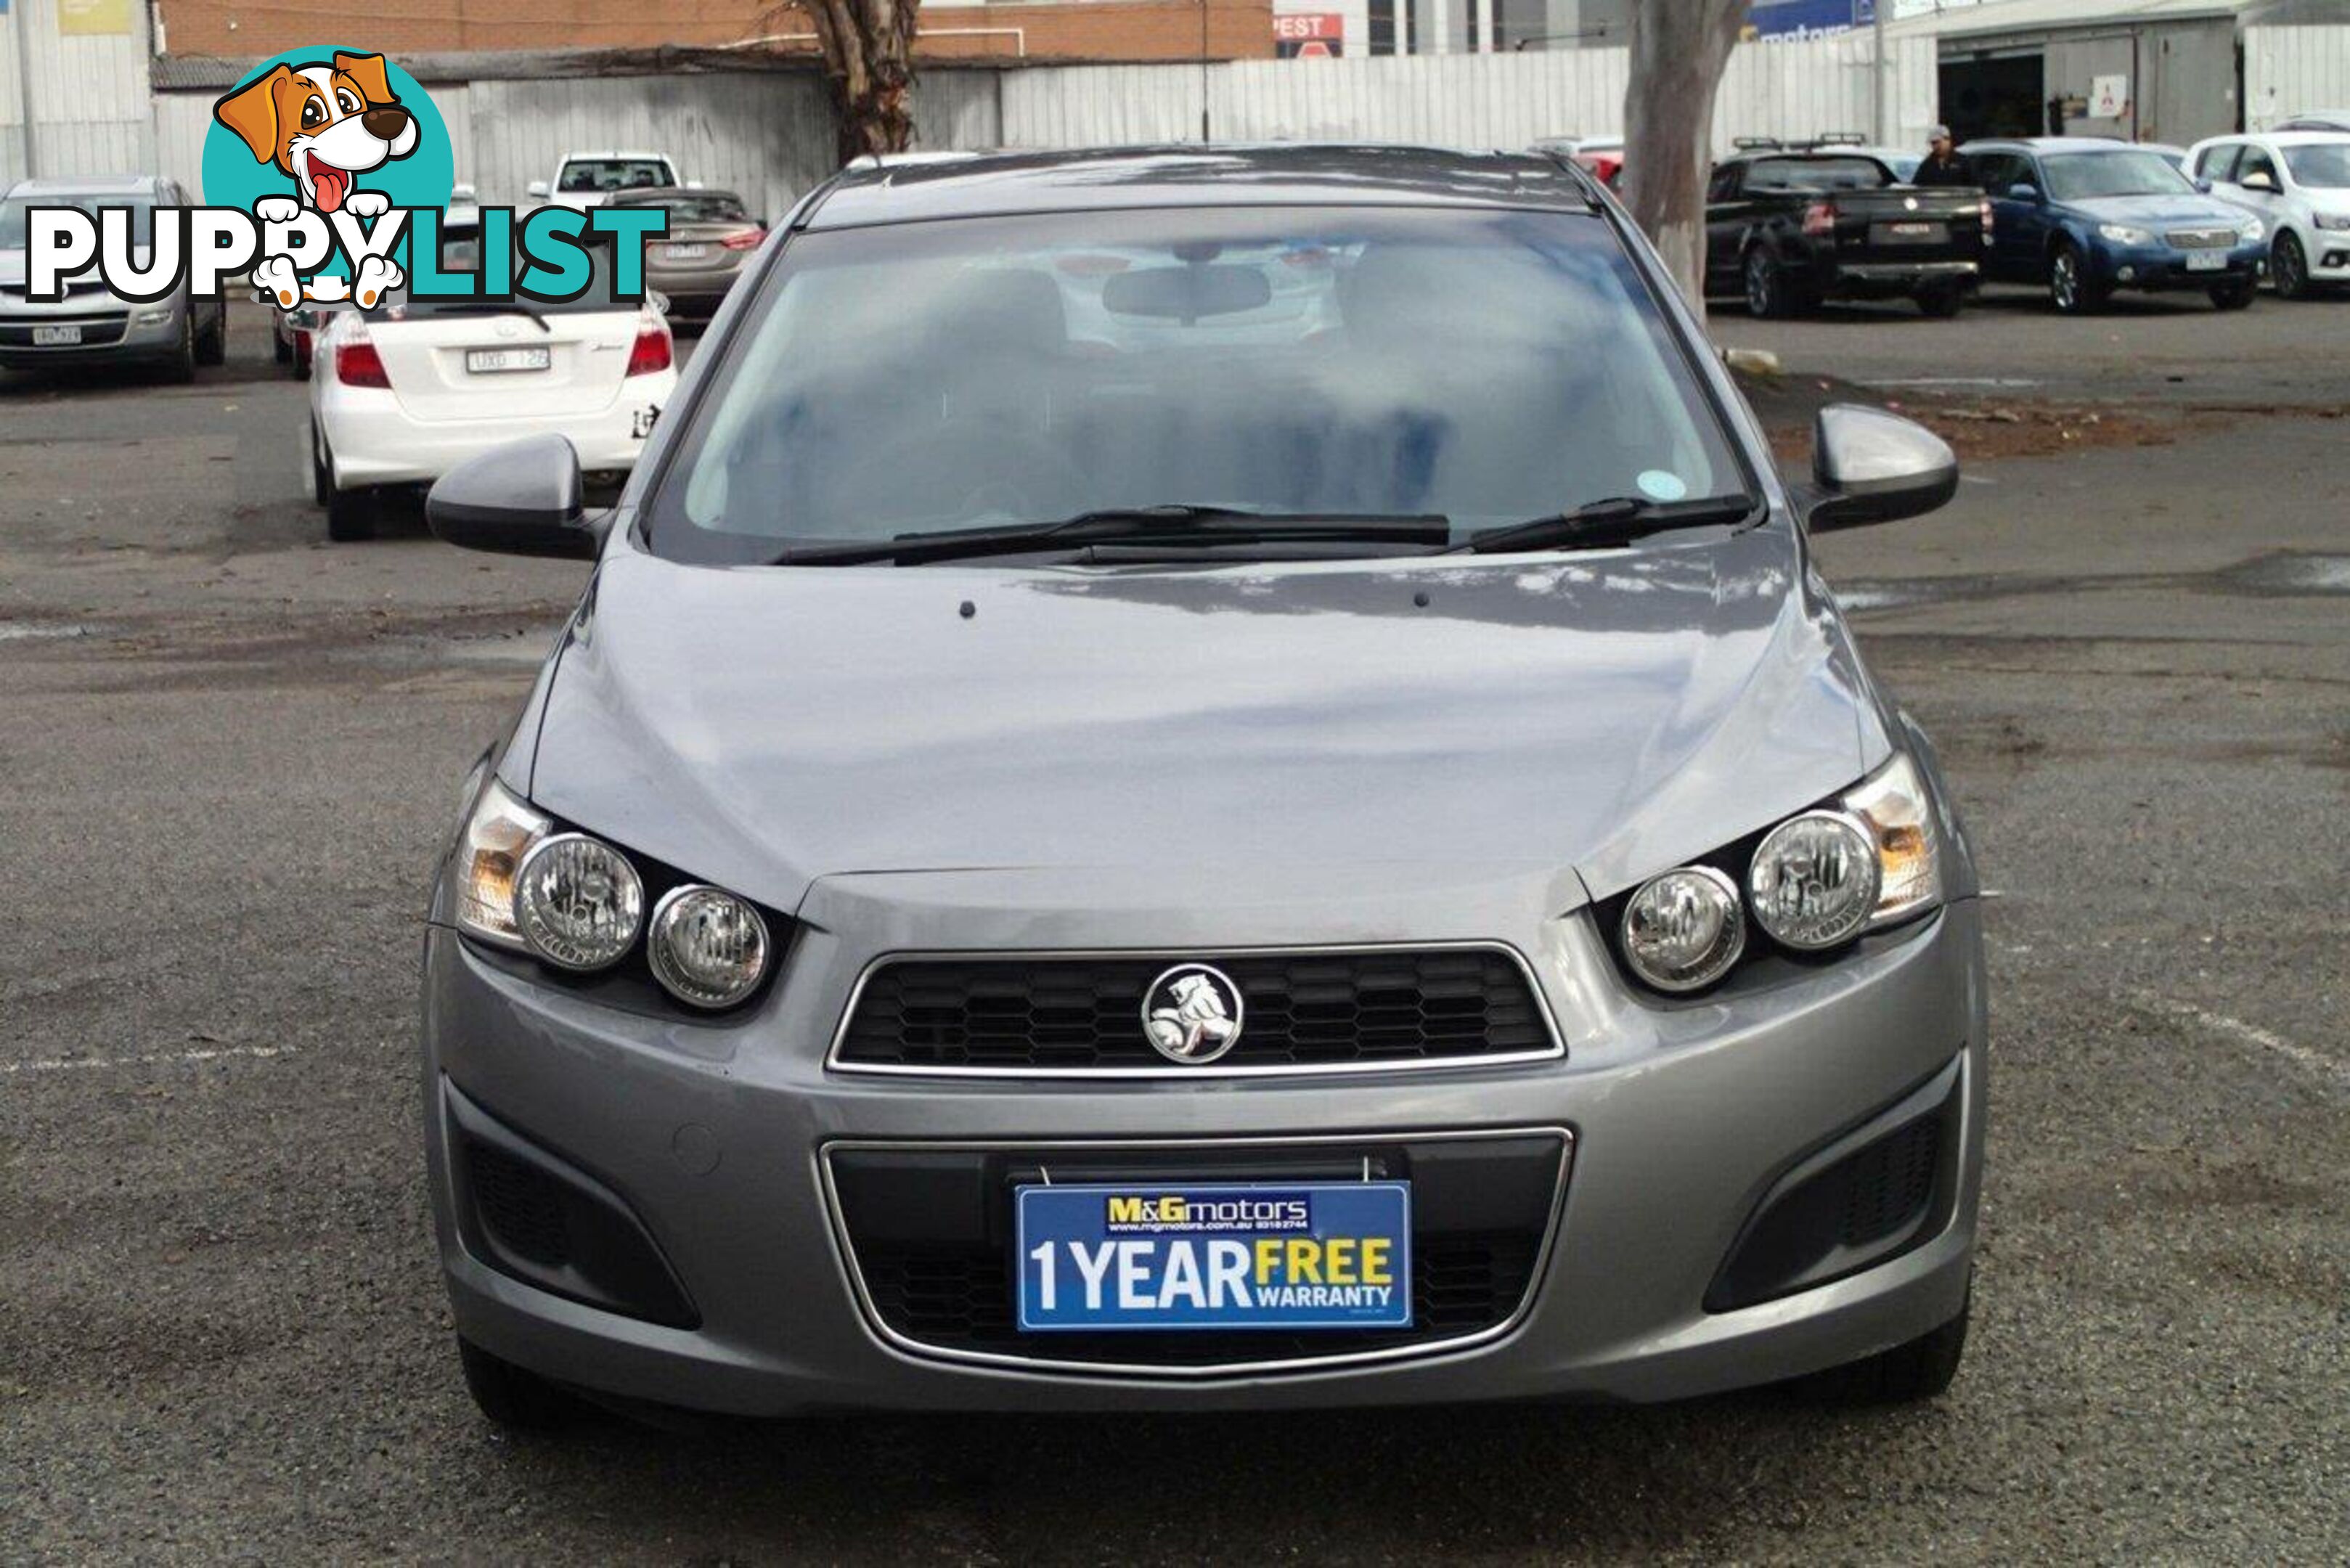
[1308, 35]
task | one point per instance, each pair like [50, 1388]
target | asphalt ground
[228, 753]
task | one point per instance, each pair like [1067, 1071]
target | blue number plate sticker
[1303, 1255]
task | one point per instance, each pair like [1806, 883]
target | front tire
[2233, 295]
[511, 1397]
[180, 368]
[2289, 267]
[212, 344]
[2070, 288]
[1908, 1374]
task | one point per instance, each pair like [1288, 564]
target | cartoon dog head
[323, 124]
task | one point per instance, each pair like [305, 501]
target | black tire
[212, 344]
[180, 369]
[279, 349]
[322, 482]
[1770, 296]
[1942, 302]
[2289, 267]
[511, 1397]
[2070, 287]
[350, 513]
[301, 352]
[2233, 295]
[1907, 1373]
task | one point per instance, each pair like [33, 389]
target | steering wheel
[968, 470]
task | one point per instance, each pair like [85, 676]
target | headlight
[2331, 220]
[497, 834]
[708, 948]
[1814, 880]
[1892, 803]
[2252, 228]
[2122, 235]
[155, 316]
[577, 901]
[1683, 931]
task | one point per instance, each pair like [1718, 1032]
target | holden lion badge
[1192, 1013]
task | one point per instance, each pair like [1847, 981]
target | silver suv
[89, 324]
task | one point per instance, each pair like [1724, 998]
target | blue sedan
[2088, 217]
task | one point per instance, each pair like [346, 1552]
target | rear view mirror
[1869, 466]
[524, 498]
[1186, 292]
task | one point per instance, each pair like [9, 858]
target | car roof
[86, 185]
[1199, 175]
[2054, 144]
[620, 153]
[2289, 137]
[668, 194]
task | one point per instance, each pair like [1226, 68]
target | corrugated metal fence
[2290, 70]
[90, 101]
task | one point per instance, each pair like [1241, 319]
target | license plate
[687, 252]
[495, 362]
[1907, 233]
[2207, 261]
[1224, 1256]
[56, 336]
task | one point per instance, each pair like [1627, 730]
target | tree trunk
[868, 63]
[1679, 49]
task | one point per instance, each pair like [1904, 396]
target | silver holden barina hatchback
[1199, 779]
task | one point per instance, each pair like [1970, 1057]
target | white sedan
[2298, 181]
[403, 394]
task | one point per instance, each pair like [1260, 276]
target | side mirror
[1869, 466]
[2024, 193]
[538, 188]
[2261, 179]
[521, 499]
[2203, 184]
[459, 196]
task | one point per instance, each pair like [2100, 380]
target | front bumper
[2155, 268]
[1682, 1119]
[112, 331]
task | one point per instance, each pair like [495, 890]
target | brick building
[952, 29]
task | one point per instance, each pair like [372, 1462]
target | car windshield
[15, 226]
[1852, 173]
[698, 206]
[2321, 168]
[592, 174]
[1364, 362]
[2128, 171]
[461, 251]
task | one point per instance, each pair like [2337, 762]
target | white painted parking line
[156, 1059]
[2236, 1029]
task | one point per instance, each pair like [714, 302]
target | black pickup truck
[1787, 228]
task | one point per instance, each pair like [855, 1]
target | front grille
[2202, 239]
[962, 1299]
[1330, 1009]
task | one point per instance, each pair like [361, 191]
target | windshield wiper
[484, 307]
[1617, 520]
[1177, 524]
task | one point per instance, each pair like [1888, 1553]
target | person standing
[1942, 165]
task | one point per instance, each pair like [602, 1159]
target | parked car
[294, 336]
[91, 325]
[2086, 217]
[1602, 155]
[2174, 156]
[711, 236]
[401, 395]
[1788, 229]
[2297, 183]
[1360, 866]
[590, 178]
[2316, 119]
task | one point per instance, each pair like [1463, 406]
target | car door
[1725, 223]
[2257, 185]
[1997, 172]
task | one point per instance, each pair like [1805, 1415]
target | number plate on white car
[492, 362]
[685, 253]
[2207, 261]
[56, 336]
